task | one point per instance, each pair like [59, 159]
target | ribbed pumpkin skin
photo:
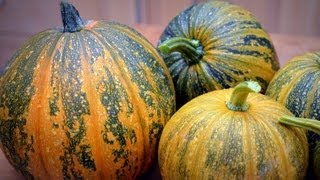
[297, 86]
[206, 140]
[89, 104]
[235, 46]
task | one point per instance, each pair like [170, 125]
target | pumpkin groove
[90, 103]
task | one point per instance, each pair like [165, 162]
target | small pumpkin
[85, 101]
[296, 85]
[215, 45]
[232, 134]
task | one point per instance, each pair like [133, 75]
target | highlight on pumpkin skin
[309, 124]
[240, 93]
[190, 48]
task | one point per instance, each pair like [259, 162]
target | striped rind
[89, 104]
[206, 140]
[236, 48]
[297, 86]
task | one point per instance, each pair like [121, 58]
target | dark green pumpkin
[216, 45]
[87, 101]
[297, 86]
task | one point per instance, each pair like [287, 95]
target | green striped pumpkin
[208, 138]
[216, 45]
[85, 101]
[297, 86]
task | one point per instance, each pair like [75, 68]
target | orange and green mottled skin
[84, 104]
[297, 86]
[234, 48]
[204, 139]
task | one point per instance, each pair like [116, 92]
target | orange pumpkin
[232, 134]
[87, 101]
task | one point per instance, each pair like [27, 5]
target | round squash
[232, 134]
[297, 86]
[85, 101]
[215, 45]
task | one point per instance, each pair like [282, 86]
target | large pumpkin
[297, 86]
[230, 134]
[85, 101]
[216, 45]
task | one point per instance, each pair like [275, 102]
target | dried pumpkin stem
[190, 49]
[309, 124]
[240, 93]
[72, 22]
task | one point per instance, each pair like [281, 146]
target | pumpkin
[296, 85]
[232, 134]
[215, 45]
[87, 101]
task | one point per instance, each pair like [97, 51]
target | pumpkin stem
[190, 49]
[72, 22]
[240, 93]
[309, 124]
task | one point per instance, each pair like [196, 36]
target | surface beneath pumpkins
[287, 46]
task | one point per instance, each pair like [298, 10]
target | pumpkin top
[72, 22]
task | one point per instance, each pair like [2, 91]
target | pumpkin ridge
[277, 140]
[54, 55]
[123, 152]
[232, 141]
[149, 46]
[19, 82]
[42, 81]
[249, 146]
[299, 92]
[312, 94]
[127, 79]
[21, 52]
[203, 30]
[206, 81]
[77, 153]
[94, 116]
[165, 72]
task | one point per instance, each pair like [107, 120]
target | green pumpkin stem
[240, 93]
[190, 49]
[309, 124]
[72, 22]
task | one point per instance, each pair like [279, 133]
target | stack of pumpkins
[95, 100]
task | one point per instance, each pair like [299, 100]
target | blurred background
[20, 19]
